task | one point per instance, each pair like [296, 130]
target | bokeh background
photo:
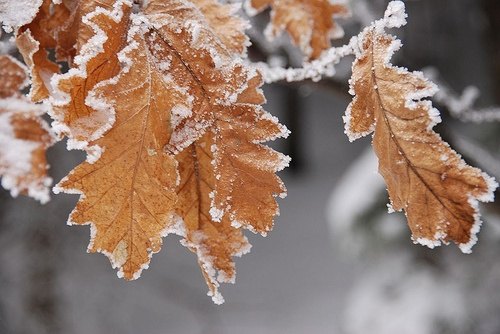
[336, 261]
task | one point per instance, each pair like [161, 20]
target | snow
[356, 192]
[436, 241]
[315, 70]
[16, 154]
[14, 14]
[215, 212]
[397, 296]
[395, 15]
[178, 113]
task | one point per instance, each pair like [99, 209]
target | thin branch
[462, 106]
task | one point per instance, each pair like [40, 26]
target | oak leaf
[101, 27]
[24, 136]
[227, 178]
[228, 181]
[128, 194]
[14, 76]
[215, 243]
[310, 23]
[437, 190]
[34, 40]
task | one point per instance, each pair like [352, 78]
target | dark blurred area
[304, 277]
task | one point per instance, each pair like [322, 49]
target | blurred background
[336, 261]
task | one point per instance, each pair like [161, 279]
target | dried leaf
[228, 181]
[128, 194]
[246, 184]
[24, 136]
[14, 76]
[190, 39]
[437, 190]
[214, 243]
[33, 41]
[181, 65]
[310, 23]
[102, 34]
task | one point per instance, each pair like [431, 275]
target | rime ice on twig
[462, 106]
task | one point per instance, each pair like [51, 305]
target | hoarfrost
[462, 106]
[14, 14]
[16, 154]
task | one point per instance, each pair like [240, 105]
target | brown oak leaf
[128, 194]
[437, 190]
[102, 33]
[189, 121]
[310, 23]
[227, 177]
[215, 243]
[24, 136]
[228, 181]
[14, 76]
[34, 40]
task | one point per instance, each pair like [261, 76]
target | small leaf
[24, 136]
[101, 33]
[310, 23]
[14, 76]
[33, 41]
[215, 243]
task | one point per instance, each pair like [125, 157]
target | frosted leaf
[128, 194]
[24, 139]
[439, 196]
[153, 96]
[309, 22]
[78, 112]
[14, 76]
[33, 41]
